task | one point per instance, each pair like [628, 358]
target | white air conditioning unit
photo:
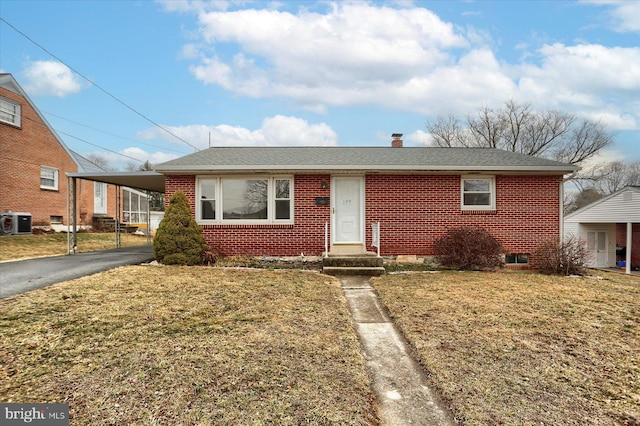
[15, 223]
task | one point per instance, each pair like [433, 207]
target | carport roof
[146, 181]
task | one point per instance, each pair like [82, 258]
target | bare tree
[577, 200]
[99, 161]
[517, 128]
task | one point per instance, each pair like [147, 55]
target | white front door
[348, 210]
[597, 244]
[99, 198]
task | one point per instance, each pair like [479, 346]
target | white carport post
[118, 215]
[628, 259]
[74, 215]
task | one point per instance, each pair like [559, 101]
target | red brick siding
[305, 236]
[23, 150]
[621, 240]
[413, 210]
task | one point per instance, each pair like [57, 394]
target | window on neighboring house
[10, 112]
[48, 178]
[478, 193]
[134, 206]
[244, 199]
[516, 259]
[55, 219]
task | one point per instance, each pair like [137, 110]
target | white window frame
[492, 192]
[139, 210]
[53, 187]
[219, 200]
[9, 108]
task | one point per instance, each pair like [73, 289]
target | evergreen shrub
[179, 240]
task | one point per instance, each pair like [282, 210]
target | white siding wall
[610, 229]
[622, 207]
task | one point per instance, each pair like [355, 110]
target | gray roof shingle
[300, 159]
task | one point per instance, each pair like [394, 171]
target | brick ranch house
[35, 162]
[275, 201]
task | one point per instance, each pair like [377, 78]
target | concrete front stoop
[368, 264]
[402, 392]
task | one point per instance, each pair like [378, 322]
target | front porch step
[363, 264]
[348, 270]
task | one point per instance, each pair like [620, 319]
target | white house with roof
[610, 227]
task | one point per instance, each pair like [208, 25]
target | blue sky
[311, 73]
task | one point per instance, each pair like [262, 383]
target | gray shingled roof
[228, 159]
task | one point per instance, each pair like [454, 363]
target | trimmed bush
[179, 240]
[468, 248]
[568, 257]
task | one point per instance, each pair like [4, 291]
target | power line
[93, 144]
[83, 140]
[109, 133]
[98, 86]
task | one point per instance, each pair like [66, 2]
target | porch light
[324, 185]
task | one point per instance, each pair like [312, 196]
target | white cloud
[350, 55]
[419, 137]
[407, 59]
[275, 131]
[132, 156]
[625, 14]
[50, 78]
[591, 80]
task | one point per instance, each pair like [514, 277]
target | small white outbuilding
[598, 223]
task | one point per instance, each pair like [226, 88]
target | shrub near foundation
[468, 248]
[179, 239]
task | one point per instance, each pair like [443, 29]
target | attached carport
[608, 225]
[144, 181]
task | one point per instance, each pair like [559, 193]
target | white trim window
[10, 112]
[478, 192]
[48, 178]
[244, 199]
[134, 206]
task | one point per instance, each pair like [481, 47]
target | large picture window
[478, 193]
[244, 199]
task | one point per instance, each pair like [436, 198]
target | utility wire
[98, 86]
[109, 133]
[83, 140]
[93, 144]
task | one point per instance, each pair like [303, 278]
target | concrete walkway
[399, 384]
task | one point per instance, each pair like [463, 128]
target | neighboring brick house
[34, 163]
[276, 201]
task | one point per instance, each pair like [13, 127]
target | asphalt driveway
[26, 275]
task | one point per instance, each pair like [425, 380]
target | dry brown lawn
[17, 247]
[187, 345]
[524, 349]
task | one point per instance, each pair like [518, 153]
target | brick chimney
[397, 142]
